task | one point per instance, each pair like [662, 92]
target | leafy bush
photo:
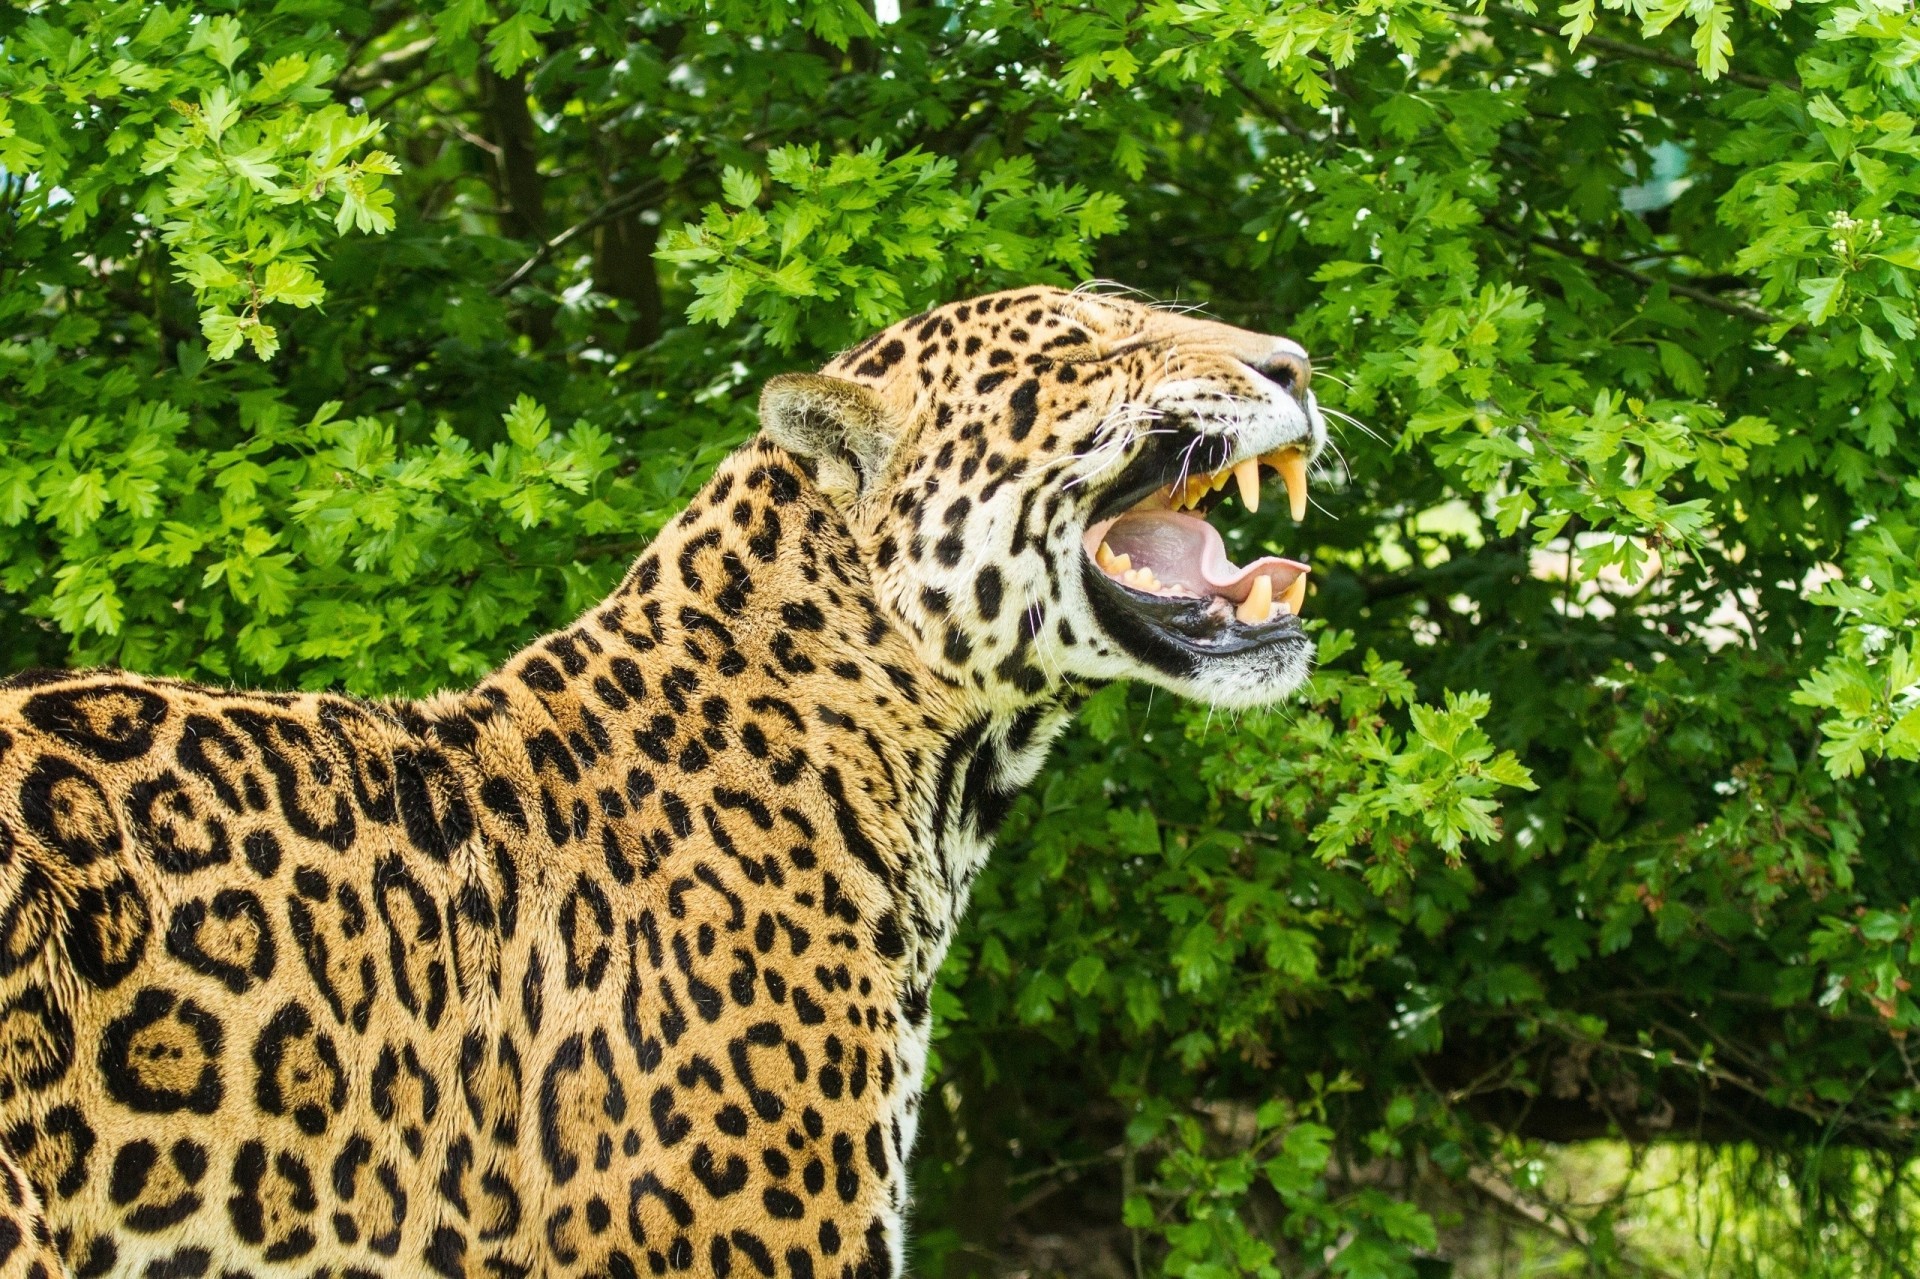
[343, 346]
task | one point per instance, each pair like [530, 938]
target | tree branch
[1571, 252]
[388, 67]
[1267, 107]
[625, 202]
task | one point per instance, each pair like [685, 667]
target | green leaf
[224, 333]
[1085, 973]
[740, 188]
[219, 111]
[1822, 297]
[292, 283]
[1712, 43]
[515, 42]
[222, 39]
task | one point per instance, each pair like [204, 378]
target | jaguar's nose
[1286, 366]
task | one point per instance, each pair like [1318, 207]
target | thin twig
[461, 131]
[1269, 108]
[375, 107]
[1066, 1166]
[1062, 1175]
[625, 202]
[388, 67]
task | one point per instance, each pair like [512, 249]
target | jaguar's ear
[842, 427]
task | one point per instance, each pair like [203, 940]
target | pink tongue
[1185, 551]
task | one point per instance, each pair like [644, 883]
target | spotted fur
[618, 963]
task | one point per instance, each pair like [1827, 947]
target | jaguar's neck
[745, 693]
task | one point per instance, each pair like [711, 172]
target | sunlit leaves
[1384, 795]
[225, 332]
[229, 148]
[1871, 688]
[373, 563]
[863, 239]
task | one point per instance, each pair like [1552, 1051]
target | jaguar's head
[1029, 475]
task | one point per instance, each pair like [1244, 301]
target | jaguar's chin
[1161, 585]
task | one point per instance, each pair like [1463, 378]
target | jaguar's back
[243, 939]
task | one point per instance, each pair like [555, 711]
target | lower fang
[1258, 606]
[1295, 595]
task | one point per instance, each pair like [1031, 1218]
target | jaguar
[618, 963]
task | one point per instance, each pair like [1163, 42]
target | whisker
[1186, 458]
[1036, 619]
[1116, 434]
[1342, 416]
[1113, 456]
[1346, 468]
[1101, 287]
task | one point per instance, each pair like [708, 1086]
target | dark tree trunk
[518, 180]
[510, 128]
[623, 267]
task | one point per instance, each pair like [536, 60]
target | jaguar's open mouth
[1151, 551]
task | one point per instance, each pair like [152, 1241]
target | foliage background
[352, 343]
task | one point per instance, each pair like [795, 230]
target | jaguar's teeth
[1295, 595]
[1258, 606]
[1292, 465]
[1247, 474]
[1187, 494]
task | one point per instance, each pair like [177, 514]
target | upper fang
[1247, 474]
[1292, 465]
